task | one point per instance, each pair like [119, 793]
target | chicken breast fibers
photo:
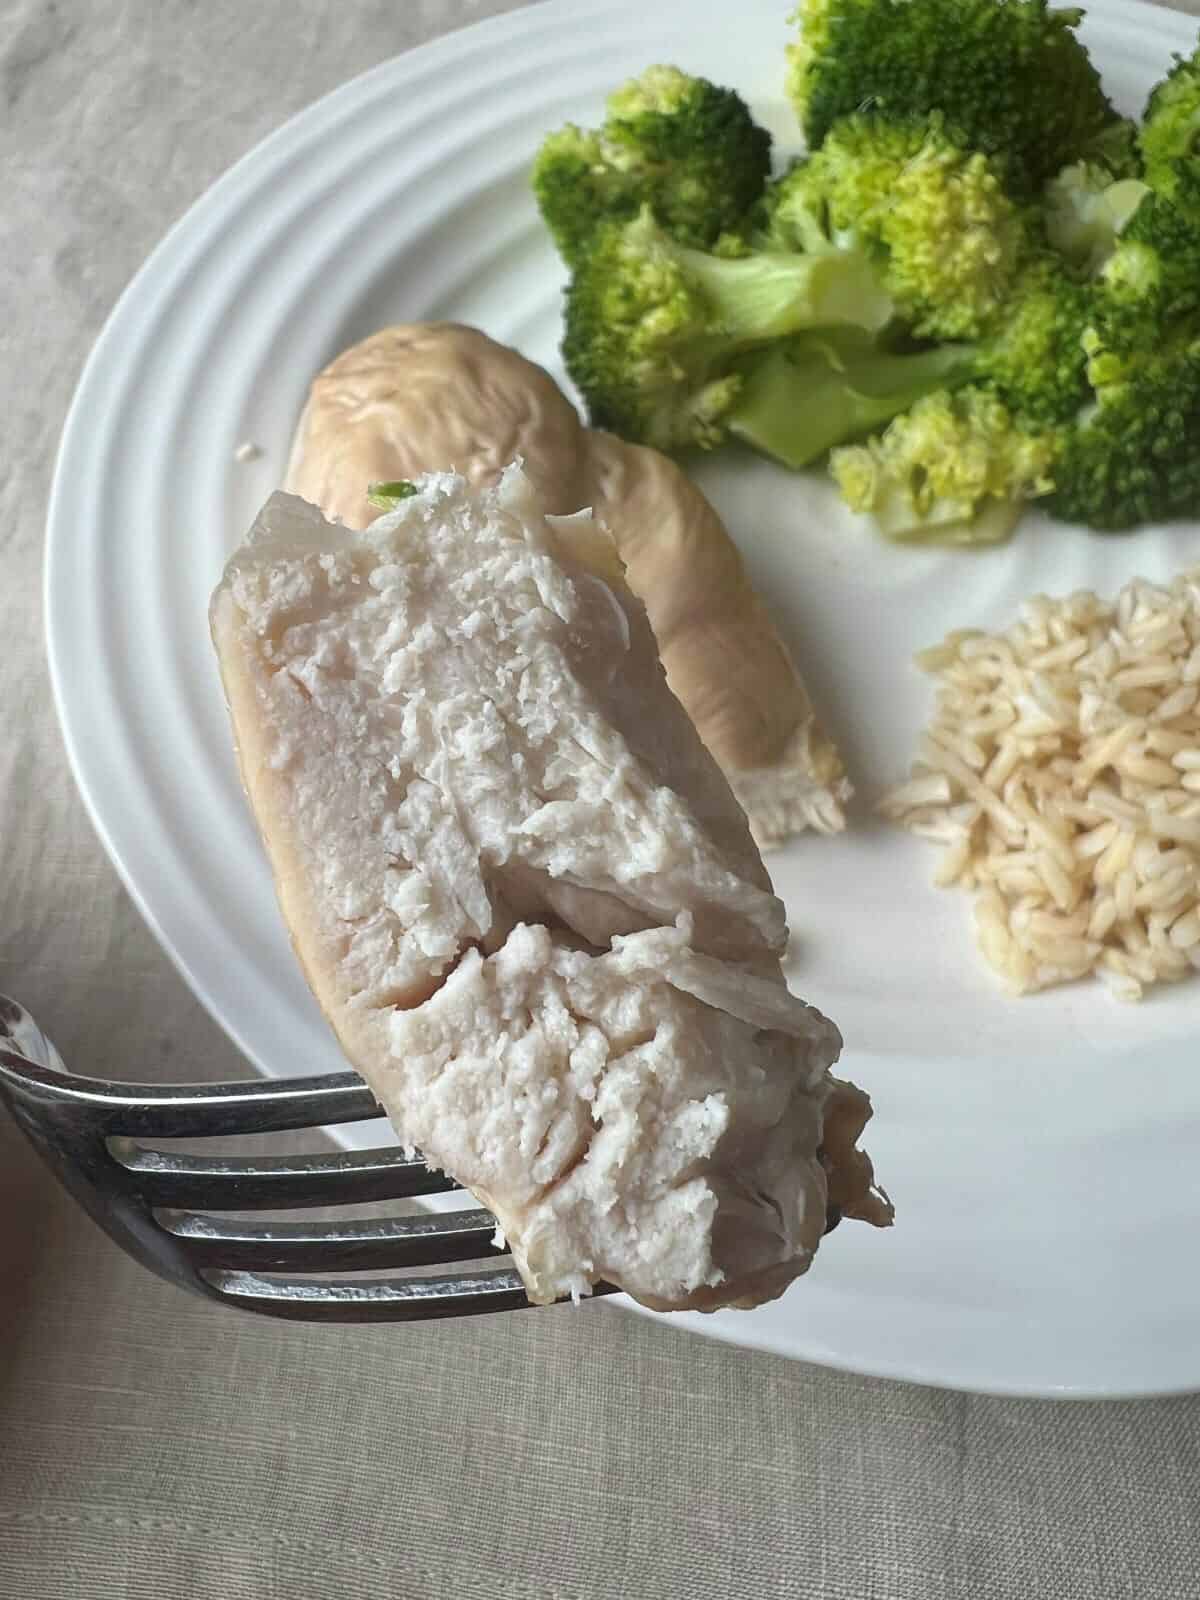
[525, 896]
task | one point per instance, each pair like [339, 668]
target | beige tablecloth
[151, 1446]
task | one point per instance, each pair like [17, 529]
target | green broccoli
[1134, 455]
[1033, 359]
[805, 395]
[682, 146]
[956, 469]
[960, 259]
[653, 329]
[960, 469]
[1169, 138]
[1010, 74]
[1150, 282]
[1152, 278]
[1115, 150]
[933, 213]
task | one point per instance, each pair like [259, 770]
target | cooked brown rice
[1061, 772]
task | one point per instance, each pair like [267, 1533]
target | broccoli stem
[801, 399]
[770, 294]
[947, 521]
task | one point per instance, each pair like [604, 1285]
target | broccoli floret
[932, 212]
[1010, 74]
[1152, 278]
[1134, 456]
[1085, 210]
[1169, 138]
[838, 194]
[1115, 150]
[653, 329]
[956, 469]
[1150, 282]
[689, 150]
[806, 395]
[1034, 359]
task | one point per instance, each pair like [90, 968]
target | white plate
[1042, 1153]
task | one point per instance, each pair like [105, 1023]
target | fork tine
[372, 1300]
[249, 1183]
[194, 1110]
[377, 1299]
[355, 1246]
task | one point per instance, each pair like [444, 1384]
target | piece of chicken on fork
[526, 899]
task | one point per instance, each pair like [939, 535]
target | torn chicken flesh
[526, 899]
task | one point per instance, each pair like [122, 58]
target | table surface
[155, 1446]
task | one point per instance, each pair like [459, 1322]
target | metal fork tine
[250, 1183]
[198, 1110]
[420, 1241]
[372, 1300]
[378, 1299]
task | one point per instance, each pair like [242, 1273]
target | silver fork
[154, 1202]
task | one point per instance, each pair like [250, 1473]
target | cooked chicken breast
[526, 898]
